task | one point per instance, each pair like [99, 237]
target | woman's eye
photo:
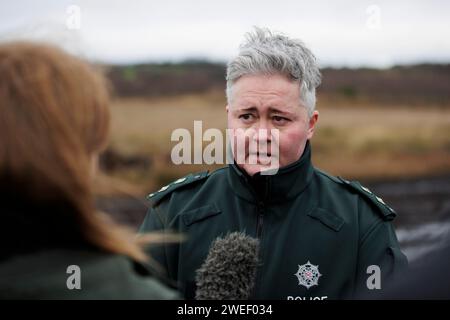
[246, 116]
[279, 120]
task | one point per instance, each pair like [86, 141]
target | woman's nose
[263, 132]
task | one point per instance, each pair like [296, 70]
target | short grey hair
[266, 52]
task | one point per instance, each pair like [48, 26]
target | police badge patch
[308, 275]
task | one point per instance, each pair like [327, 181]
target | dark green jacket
[43, 275]
[303, 218]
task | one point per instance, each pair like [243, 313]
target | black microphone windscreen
[229, 270]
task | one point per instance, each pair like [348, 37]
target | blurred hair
[265, 52]
[54, 118]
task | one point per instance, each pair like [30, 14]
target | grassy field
[353, 139]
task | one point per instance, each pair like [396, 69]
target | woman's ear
[312, 123]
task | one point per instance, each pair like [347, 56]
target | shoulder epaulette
[329, 176]
[157, 196]
[387, 212]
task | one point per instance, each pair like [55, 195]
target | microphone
[229, 271]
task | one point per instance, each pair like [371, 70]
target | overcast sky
[340, 33]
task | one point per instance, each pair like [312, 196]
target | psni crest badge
[308, 275]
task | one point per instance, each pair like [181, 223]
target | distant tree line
[413, 84]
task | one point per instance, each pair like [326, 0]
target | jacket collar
[286, 184]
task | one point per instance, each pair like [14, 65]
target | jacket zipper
[259, 229]
[260, 217]
[259, 220]
[259, 226]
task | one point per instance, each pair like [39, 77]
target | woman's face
[269, 103]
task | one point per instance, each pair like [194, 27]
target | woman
[54, 121]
